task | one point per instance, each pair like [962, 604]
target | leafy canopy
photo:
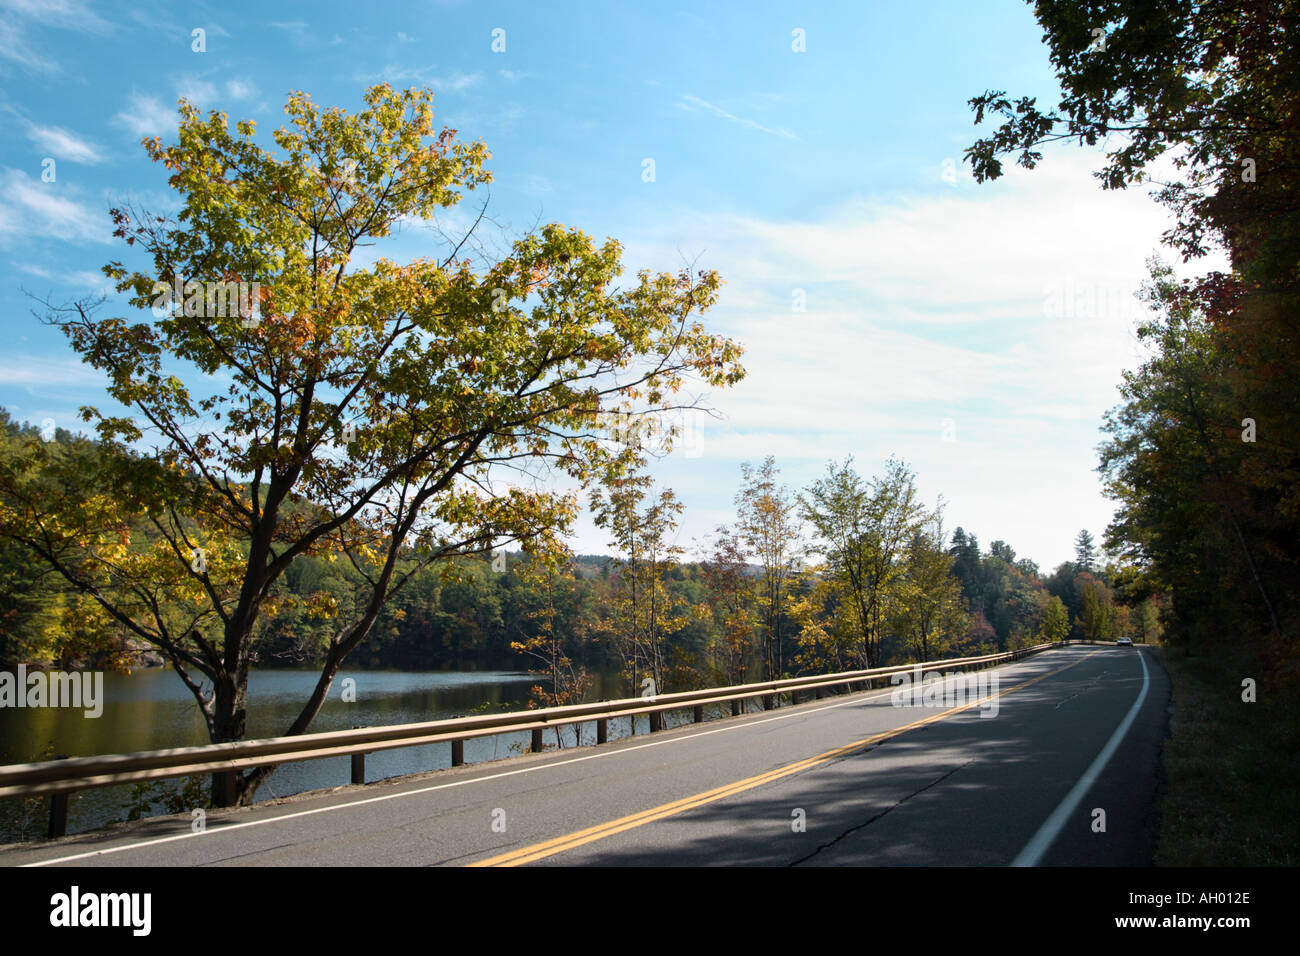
[393, 414]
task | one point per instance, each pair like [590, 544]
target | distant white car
[1123, 642]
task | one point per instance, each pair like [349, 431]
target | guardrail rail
[62, 777]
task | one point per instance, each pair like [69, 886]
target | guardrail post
[221, 762]
[58, 815]
[225, 788]
[358, 763]
[58, 810]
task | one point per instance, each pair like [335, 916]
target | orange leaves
[539, 275]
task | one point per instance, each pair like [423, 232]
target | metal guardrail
[59, 778]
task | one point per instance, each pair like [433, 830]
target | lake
[151, 709]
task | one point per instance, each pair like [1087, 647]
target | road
[1055, 765]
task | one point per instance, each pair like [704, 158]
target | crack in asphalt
[1088, 686]
[866, 823]
[247, 853]
[1067, 700]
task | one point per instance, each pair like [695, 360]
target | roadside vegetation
[1200, 101]
[1232, 780]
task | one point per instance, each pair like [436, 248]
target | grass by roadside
[1231, 769]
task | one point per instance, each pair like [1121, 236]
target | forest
[851, 572]
[1195, 104]
[360, 467]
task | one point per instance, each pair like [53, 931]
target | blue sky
[976, 331]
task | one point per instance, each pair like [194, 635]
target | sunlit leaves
[392, 415]
[864, 531]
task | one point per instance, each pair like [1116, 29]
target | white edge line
[856, 699]
[446, 786]
[1041, 841]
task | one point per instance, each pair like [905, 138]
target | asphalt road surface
[1055, 765]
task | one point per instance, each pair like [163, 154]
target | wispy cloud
[455, 81]
[63, 144]
[199, 92]
[34, 371]
[870, 327]
[206, 94]
[539, 184]
[948, 297]
[693, 104]
[495, 122]
[30, 208]
[17, 48]
[68, 14]
[305, 36]
[146, 116]
[240, 89]
[78, 281]
[85, 279]
[16, 42]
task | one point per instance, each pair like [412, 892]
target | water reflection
[151, 709]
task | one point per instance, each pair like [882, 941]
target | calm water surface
[151, 709]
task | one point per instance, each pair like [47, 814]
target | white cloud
[71, 14]
[455, 81]
[96, 281]
[33, 371]
[496, 122]
[693, 103]
[294, 27]
[30, 208]
[17, 45]
[1006, 308]
[240, 89]
[63, 144]
[201, 93]
[147, 116]
[207, 95]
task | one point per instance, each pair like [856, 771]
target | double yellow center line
[570, 841]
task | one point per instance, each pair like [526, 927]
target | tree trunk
[229, 715]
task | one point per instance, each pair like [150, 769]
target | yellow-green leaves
[395, 413]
